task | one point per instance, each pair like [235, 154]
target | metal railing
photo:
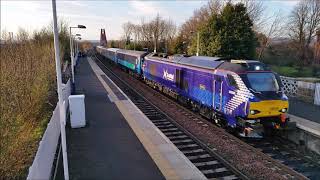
[42, 164]
[307, 91]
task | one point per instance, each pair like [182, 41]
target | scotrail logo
[168, 76]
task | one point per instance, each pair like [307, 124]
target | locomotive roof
[197, 61]
[201, 61]
[113, 49]
[131, 52]
[215, 63]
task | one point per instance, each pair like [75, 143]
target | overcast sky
[110, 15]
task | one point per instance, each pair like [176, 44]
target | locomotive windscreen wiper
[254, 91]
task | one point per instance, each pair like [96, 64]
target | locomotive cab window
[232, 82]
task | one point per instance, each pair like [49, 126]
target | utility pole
[134, 42]
[198, 42]
[60, 96]
[71, 56]
[155, 46]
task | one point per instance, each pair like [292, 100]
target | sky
[33, 15]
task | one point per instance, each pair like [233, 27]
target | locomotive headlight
[253, 112]
[283, 110]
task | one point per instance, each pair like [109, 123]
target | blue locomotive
[242, 95]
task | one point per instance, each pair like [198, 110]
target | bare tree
[169, 33]
[256, 11]
[304, 21]
[274, 30]
[146, 32]
[151, 33]
[215, 6]
[127, 30]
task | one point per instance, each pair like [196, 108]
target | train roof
[113, 49]
[109, 49]
[133, 53]
[214, 63]
[197, 61]
[201, 61]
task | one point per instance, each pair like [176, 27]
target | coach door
[217, 92]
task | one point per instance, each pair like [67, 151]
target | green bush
[295, 71]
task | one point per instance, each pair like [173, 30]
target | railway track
[205, 158]
[211, 164]
[287, 153]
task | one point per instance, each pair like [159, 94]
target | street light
[60, 96]
[71, 49]
[81, 26]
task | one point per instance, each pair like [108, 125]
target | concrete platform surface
[304, 110]
[306, 125]
[119, 142]
[307, 134]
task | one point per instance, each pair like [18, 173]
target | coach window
[232, 82]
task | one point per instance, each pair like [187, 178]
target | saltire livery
[243, 95]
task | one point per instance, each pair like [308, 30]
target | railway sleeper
[184, 141]
[159, 121]
[217, 173]
[201, 156]
[188, 147]
[170, 134]
[231, 177]
[162, 123]
[165, 127]
[209, 163]
[203, 159]
[208, 167]
[180, 137]
[155, 117]
[199, 153]
[170, 130]
[187, 152]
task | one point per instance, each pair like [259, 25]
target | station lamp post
[71, 49]
[62, 112]
[75, 44]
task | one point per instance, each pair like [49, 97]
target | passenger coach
[131, 60]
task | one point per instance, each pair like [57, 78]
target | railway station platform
[304, 110]
[119, 141]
